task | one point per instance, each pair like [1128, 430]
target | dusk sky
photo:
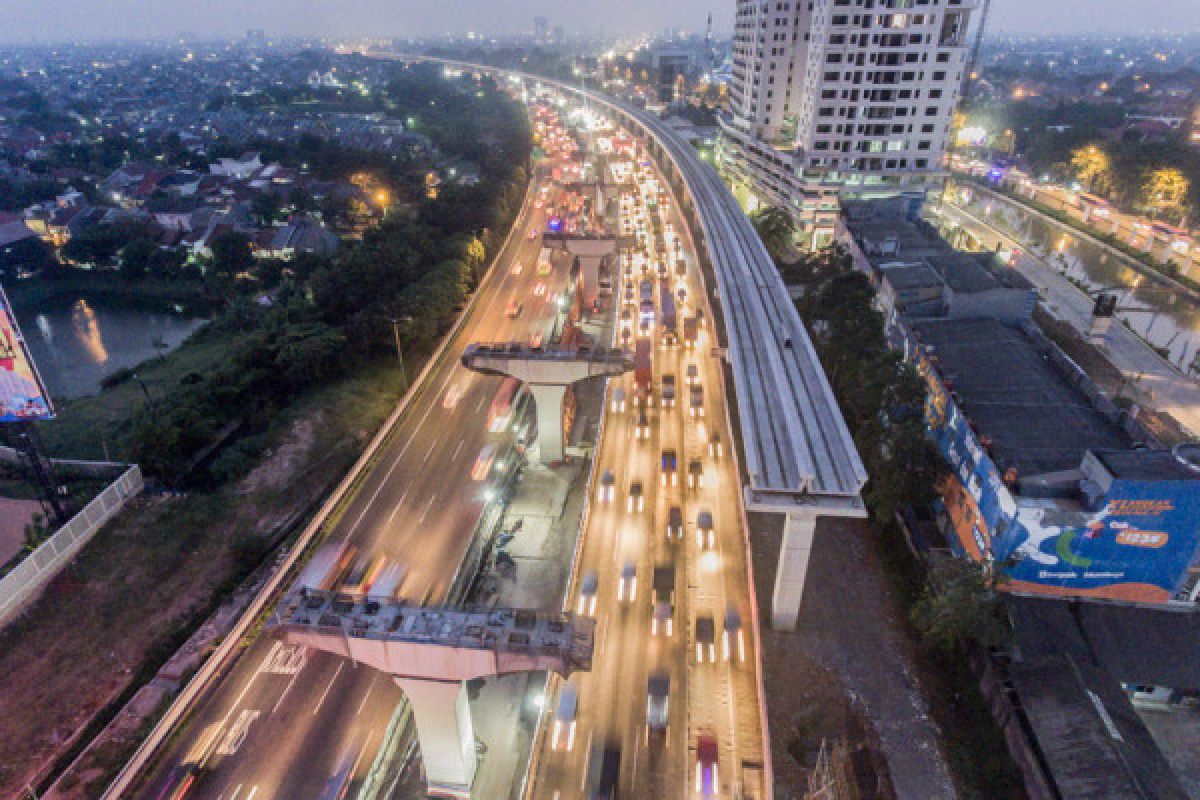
[108, 19]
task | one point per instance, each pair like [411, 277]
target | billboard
[1135, 544]
[23, 396]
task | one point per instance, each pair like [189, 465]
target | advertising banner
[1135, 546]
[23, 397]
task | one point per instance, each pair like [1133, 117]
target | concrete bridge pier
[548, 405]
[445, 733]
[799, 529]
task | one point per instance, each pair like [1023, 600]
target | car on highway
[695, 477]
[668, 391]
[715, 449]
[533, 233]
[637, 497]
[453, 395]
[705, 536]
[658, 695]
[733, 639]
[535, 340]
[618, 400]
[514, 309]
[707, 780]
[627, 583]
[670, 468]
[696, 402]
[607, 487]
[692, 375]
[588, 587]
[674, 523]
[662, 610]
[706, 639]
[563, 734]
[517, 268]
[483, 462]
[539, 289]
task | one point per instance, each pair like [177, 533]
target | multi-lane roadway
[711, 695]
[285, 723]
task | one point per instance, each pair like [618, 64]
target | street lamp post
[399, 351]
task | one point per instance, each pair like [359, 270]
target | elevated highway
[799, 456]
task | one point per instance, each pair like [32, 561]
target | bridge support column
[548, 403]
[799, 528]
[445, 733]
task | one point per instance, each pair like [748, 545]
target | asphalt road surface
[718, 699]
[285, 722]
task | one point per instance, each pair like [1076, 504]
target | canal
[1166, 317]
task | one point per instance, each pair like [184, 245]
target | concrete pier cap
[546, 373]
[431, 653]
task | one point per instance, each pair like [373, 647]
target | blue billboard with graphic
[1135, 543]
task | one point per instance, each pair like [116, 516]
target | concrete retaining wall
[27, 579]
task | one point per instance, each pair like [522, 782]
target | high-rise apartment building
[833, 97]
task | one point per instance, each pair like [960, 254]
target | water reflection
[88, 331]
[1162, 315]
[76, 344]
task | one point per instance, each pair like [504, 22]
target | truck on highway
[666, 308]
[322, 571]
[500, 411]
[643, 373]
[604, 774]
[663, 607]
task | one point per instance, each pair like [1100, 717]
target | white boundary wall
[28, 578]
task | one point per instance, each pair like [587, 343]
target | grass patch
[157, 571]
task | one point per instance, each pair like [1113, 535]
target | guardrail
[27, 579]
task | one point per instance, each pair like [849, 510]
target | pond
[77, 342]
[1161, 314]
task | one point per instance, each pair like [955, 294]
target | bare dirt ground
[148, 576]
[14, 516]
[847, 671]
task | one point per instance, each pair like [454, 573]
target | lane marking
[366, 694]
[428, 505]
[399, 505]
[327, 688]
[458, 448]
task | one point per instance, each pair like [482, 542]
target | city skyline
[136, 19]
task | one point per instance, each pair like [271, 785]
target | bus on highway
[501, 410]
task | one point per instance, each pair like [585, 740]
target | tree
[1164, 191]
[232, 254]
[960, 605]
[777, 230]
[1092, 167]
[265, 206]
[136, 257]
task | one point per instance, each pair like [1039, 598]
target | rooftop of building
[888, 236]
[1036, 420]
[1137, 645]
[1089, 735]
[1180, 464]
